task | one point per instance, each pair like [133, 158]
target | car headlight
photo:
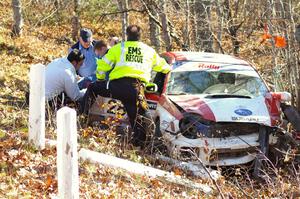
[192, 126]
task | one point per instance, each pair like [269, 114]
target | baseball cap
[85, 34]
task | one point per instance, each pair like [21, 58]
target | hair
[133, 33]
[115, 38]
[75, 55]
[100, 44]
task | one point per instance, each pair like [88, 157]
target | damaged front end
[215, 143]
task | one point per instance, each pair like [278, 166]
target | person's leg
[94, 89]
[127, 91]
[123, 90]
[145, 122]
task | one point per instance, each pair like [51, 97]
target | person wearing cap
[60, 78]
[86, 46]
[131, 63]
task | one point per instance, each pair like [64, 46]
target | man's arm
[106, 63]
[71, 87]
[160, 64]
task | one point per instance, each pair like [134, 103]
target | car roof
[208, 58]
[200, 61]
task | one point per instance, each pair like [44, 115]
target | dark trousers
[131, 93]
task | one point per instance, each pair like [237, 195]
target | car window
[215, 82]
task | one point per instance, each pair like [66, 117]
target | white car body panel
[223, 109]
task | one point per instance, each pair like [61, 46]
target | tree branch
[171, 32]
[119, 12]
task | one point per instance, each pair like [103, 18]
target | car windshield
[213, 82]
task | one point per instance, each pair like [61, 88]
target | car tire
[263, 152]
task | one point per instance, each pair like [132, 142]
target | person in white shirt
[61, 77]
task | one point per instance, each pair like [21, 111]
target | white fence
[37, 106]
[67, 150]
[67, 155]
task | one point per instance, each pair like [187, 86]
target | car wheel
[263, 152]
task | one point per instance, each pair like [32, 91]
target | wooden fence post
[67, 155]
[37, 106]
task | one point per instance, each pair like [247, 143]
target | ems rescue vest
[131, 59]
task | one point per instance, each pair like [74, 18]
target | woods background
[239, 27]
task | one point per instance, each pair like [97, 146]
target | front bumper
[215, 151]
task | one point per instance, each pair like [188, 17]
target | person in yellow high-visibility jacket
[129, 65]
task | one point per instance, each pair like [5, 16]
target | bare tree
[165, 27]
[123, 7]
[18, 19]
[75, 21]
[168, 29]
[154, 28]
[290, 54]
[297, 34]
[204, 39]
[231, 13]
[194, 33]
[186, 38]
[220, 19]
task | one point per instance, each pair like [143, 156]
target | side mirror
[151, 88]
[280, 96]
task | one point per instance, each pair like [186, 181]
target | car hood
[248, 110]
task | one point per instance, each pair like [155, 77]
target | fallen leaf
[49, 181]
[156, 183]
[2, 134]
[177, 171]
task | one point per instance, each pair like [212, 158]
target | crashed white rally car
[211, 108]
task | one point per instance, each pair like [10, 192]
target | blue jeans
[86, 81]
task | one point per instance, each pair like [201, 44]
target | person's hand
[78, 78]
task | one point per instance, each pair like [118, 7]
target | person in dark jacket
[86, 46]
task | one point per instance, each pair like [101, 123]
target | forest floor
[26, 172]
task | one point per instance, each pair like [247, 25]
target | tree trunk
[154, 29]
[123, 7]
[233, 27]
[204, 38]
[186, 38]
[219, 13]
[193, 24]
[75, 21]
[165, 28]
[297, 34]
[18, 19]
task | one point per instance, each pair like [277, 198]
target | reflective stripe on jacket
[131, 59]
